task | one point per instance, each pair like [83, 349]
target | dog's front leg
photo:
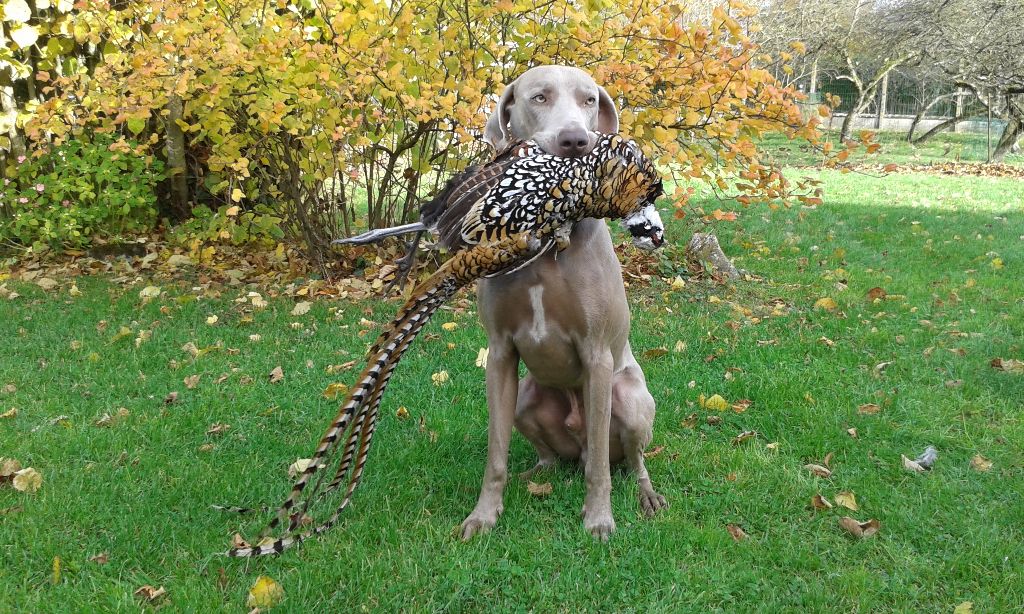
[502, 393]
[597, 405]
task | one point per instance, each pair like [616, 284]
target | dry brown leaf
[860, 529]
[207, 447]
[100, 559]
[654, 451]
[818, 470]
[655, 353]
[46, 283]
[820, 503]
[171, 398]
[237, 541]
[690, 421]
[847, 499]
[868, 409]
[980, 463]
[10, 413]
[149, 594]
[714, 420]
[276, 375]
[217, 428]
[876, 293]
[827, 461]
[736, 532]
[539, 490]
[742, 405]
[192, 381]
[8, 467]
[852, 432]
[1008, 365]
[744, 436]
[27, 480]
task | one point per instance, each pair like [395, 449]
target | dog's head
[559, 107]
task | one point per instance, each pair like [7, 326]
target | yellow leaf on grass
[449, 326]
[301, 308]
[966, 607]
[714, 403]
[847, 499]
[826, 303]
[334, 390]
[265, 593]
[980, 463]
[539, 490]
[439, 378]
[10, 413]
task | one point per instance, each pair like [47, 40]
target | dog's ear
[607, 114]
[496, 133]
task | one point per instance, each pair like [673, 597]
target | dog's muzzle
[646, 228]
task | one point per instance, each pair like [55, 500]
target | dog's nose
[573, 142]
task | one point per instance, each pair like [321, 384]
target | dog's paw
[599, 525]
[480, 521]
[651, 502]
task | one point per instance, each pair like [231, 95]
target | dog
[566, 318]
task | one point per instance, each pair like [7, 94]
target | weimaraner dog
[566, 318]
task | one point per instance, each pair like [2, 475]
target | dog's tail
[357, 419]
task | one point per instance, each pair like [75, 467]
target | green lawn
[140, 489]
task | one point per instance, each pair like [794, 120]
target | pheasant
[495, 219]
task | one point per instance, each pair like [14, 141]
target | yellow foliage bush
[319, 108]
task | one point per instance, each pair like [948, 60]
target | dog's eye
[590, 101]
[540, 98]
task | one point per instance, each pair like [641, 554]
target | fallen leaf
[881, 367]
[714, 403]
[46, 283]
[27, 480]
[100, 559]
[980, 463]
[818, 470]
[10, 413]
[876, 293]
[820, 503]
[481, 358]
[714, 420]
[1008, 365]
[217, 428]
[860, 529]
[8, 467]
[207, 447]
[171, 398]
[655, 353]
[690, 421]
[301, 308]
[826, 303]
[55, 576]
[744, 436]
[680, 347]
[254, 338]
[678, 283]
[299, 466]
[654, 451]
[276, 375]
[449, 326]
[212, 320]
[439, 378]
[847, 499]
[191, 348]
[149, 293]
[742, 405]
[852, 432]
[9, 389]
[772, 446]
[539, 490]
[149, 594]
[966, 607]
[736, 532]
[827, 461]
[192, 381]
[335, 390]
[868, 409]
[402, 413]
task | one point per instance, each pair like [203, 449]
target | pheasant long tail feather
[358, 414]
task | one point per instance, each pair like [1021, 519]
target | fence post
[883, 100]
[959, 107]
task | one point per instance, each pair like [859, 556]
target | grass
[944, 147]
[140, 490]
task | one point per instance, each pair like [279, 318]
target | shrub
[70, 195]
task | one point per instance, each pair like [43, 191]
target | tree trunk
[177, 168]
[703, 248]
[1011, 134]
[952, 121]
[920, 114]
